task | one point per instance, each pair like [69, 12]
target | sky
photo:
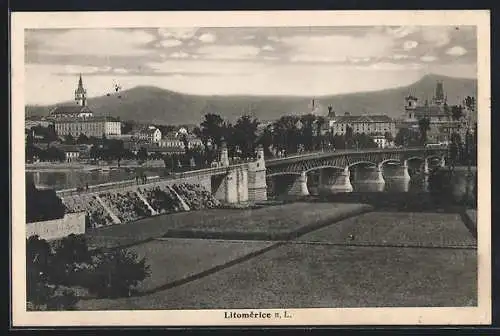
[301, 61]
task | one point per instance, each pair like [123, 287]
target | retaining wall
[57, 228]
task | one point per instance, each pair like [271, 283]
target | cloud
[456, 51]
[438, 36]
[205, 67]
[393, 66]
[408, 45]
[78, 69]
[399, 56]
[428, 58]
[170, 43]
[316, 58]
[267, 48]
[400, 32]
[207, 38]
[228, 52]
[274, 38]
[104, 42]
[179, 54]
[120, 70]
[177, 33]
[337, 48]
[249, 37]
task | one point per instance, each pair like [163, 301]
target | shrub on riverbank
[57, 270]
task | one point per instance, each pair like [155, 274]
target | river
[66, 179]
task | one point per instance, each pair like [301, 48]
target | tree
[142, 154]
[423, 127]
[457, 112]
[38, 253]
[388, 136]
[82, 139]
[406, 137]
[245, 135]
[127, 126]
[307, 131]
[54, 154]
[115, 273]
[320, 122]
[42, 205]
[266, 140]
[211, 129]
[69, 139]
[286, 134]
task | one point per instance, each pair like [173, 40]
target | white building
[150, 134]
[91, 127]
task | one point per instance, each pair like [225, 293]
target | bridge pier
[442, 163]
[373, 177]
[406, 175]
[257, 188]
[329, 183]
[425, 169]
[299, 186]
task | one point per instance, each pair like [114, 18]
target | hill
[154, 105]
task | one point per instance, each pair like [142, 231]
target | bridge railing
[106, 186]
[362, 150]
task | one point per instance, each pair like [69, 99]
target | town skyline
[302, 61]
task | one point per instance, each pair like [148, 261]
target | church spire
[81, 93]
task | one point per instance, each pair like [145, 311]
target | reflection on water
[360, 179]
[78, 178]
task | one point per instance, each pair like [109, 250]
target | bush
[42, 205]
[115, 273]
[54, 272]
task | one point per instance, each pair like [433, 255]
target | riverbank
[377, 259]
[275, 222]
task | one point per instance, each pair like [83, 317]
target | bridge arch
[434, 156]
[369, 163]
[283, 174]
[415, 158]
[389, 161]
[324, 167]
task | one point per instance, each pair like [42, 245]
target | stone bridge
[253, 181]
[334, 168]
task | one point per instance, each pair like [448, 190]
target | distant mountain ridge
[149, 104]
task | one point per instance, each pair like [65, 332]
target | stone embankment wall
[128, 203]
[57, 228]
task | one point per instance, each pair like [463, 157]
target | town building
[79, 119]
[176, 139]
[437, 111]
[368, 124]
[34, 121]
[150, 134]
[71, 152]
[91, 127]
[382, 141]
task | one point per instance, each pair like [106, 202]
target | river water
[79, 178]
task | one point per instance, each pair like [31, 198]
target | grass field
[315, 272]
[399, 228]
[174, 259]
[274, 222]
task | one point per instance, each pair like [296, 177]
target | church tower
[439, 97]
[81, 93]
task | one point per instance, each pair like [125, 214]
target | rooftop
[88, 119]
[70, 109]
[362, 119]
